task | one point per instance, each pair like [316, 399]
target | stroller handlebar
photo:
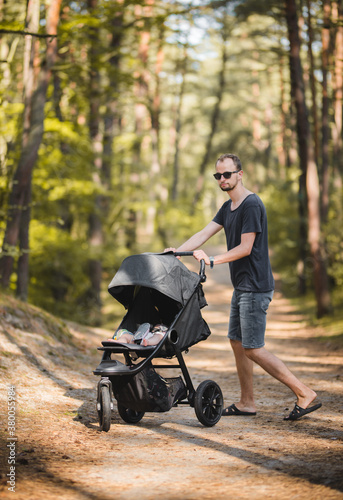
[202, 263]
[183, 254]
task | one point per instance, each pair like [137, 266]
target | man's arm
[198, 239]
[236, 253]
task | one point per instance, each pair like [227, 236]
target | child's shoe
[121, 332]
[141, 332]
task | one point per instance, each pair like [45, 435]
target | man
[243, 218]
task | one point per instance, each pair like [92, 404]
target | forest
[113, 113]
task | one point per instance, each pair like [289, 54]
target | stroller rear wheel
[130, 416]
[104, 408]
[208, 403]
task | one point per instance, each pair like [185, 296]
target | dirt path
[60, 452]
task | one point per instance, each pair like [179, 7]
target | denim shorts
[248, 317]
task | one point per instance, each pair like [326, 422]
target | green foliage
[179, 225]
[280, 199]
[59, 274]
[334, 242]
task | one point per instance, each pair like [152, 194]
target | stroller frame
[207, 399]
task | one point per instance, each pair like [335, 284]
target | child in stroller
[145, 335]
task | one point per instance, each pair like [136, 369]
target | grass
[71, 413]
[112, 311]
[6, 354]
[34, 319]
[329, 329]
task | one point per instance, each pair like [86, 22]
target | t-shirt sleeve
[219, 217]
[252, 219]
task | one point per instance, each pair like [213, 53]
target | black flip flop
[234, 411]
[299, 412]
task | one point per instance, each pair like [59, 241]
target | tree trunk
[15, 210]
[30, 54]
[179, 102]
[158, 193]
[160, 190]
[284, 143]
[320, 278]
[31, 140]
[23, 262]
[155, 105]
[256, 115]
[111, 118]
[309, 168]
[337, 16]
[313, 82]
[298, 98]
[142, 112]
[96, 237]
[325, 113]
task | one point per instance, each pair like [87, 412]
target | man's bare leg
[277, 369]
[245, 374]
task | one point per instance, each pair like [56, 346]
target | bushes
[59, 272]
[280, 199]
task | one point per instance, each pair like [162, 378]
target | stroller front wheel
[104, 408]
[130, 416]
[208, 403]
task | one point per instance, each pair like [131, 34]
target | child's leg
[126, 337]
[154, 340]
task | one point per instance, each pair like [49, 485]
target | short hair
[234, 158]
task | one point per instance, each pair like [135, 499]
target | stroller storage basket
[148, 391]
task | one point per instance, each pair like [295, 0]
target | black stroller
[156, 288]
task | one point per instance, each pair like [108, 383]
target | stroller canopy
[162, 272]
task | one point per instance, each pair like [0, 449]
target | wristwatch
[211, 262]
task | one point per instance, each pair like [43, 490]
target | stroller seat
[123, 346]
[140, 351]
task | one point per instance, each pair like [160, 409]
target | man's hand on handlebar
[171, 249]
[201, 255]
[197, 254]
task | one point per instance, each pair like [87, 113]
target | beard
[228, 188]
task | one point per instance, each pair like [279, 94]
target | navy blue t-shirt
[252, 273]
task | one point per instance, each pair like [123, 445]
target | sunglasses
[226, 175]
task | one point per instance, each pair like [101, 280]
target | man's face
[227, 166]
